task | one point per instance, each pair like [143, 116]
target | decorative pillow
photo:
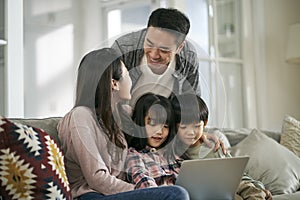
[271, 163]
[31, 164]
[290, 137]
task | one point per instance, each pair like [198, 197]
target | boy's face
[190, 134]
[156, 133]
[160, 48]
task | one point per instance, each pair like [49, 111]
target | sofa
[271, 161]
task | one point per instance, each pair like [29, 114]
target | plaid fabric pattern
[148, 168]
[31, 164]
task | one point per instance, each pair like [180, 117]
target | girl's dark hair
[189, 108]
[171, 20]
[95, 73]
[153, 103]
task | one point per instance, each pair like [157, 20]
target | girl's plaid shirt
[148, 168]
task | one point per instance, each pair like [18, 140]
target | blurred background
[242, 47]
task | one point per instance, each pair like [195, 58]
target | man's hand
[206, 137]
[268, 195]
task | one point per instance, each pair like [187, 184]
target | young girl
[147, 162]
[95, 148]
[191, 116]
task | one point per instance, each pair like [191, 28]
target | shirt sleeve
[192, 64]
[194, 75]
[137, 172]
[248, 178]
[89, 156]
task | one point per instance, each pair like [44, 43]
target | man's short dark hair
[170, 19]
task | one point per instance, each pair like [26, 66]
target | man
[160, 59]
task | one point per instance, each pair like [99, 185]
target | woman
[95, 148]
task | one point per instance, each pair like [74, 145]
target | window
[57, 34]
[215, 31]
[215, 28]
[121, 17]
[2, 46]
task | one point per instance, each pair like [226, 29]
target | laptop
[212, 179]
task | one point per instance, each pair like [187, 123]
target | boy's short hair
[189, 108]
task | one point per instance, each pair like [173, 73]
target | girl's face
[157, 133]
[190, 134]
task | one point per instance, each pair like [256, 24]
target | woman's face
[124, 84]
[157, 133]
[190, 134]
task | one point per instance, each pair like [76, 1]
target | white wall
[282, 80]
[57, 35]
[14, 66]
[2, 72]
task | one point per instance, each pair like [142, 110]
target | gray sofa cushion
[47, 124]
[293, 196]
[271, 163]
[235, 136]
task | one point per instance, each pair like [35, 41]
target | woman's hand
[206, 138]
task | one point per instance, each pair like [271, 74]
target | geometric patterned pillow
[31, 164]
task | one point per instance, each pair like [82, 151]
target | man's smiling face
[160, 48]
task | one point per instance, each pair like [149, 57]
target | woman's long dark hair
[161, 108]
[95, 73]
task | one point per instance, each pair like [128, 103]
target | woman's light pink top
[89, 165]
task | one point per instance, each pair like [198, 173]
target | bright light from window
[54, 54]
[114, 23]
[39, 8]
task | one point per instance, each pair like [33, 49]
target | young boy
[191, 116]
